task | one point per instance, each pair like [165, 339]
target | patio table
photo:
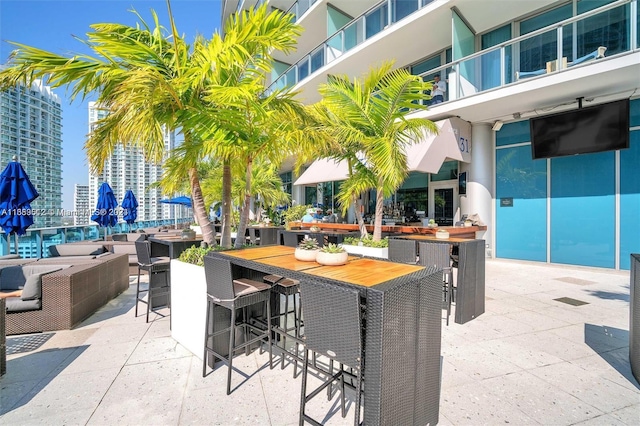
[171, 246]
[470, 282]
[403, 326]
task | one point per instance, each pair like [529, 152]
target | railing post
[503, 67]
[39, 243]
[559, 49]
[633, 30]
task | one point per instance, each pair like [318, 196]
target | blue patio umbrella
[181, 200]
[130, 207]
[16, 194]
[105, 213]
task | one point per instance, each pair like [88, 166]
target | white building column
[479, 198]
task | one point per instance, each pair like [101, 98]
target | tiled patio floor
[528, 360]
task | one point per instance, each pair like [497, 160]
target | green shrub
[195, 255]
[295, 213]
[367, 242]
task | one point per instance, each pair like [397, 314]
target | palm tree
[149, 78]
[367, 119]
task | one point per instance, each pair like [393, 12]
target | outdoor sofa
[71, 293]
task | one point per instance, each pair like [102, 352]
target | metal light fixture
[497, 126]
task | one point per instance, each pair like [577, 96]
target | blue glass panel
[511, 133]
[402, 8]
[609, 29]
[583, 210]
[376, 20]
[491, 61]
[303, 69]
[630, 200]
[537, 51]
[521, 230]
[448, 171]
[634, 112]
[317, 60]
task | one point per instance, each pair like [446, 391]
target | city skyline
[52, 25]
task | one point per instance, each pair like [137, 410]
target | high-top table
[403, 326]
[470, 282]
[171, 245]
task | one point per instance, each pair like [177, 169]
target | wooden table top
[359, 271]
[365, 272]
[260, 252]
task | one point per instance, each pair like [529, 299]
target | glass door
[443, 202]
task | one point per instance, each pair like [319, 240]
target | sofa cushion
[76, 250]
[33, 284]
[10, 256]
[16, 304]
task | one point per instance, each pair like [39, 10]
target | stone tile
[612, 365]
[48, 417]
[540, 401]
[628, 415]
[480, 362]
[92, 358]
[160, 348]
[521, 351]
[588, 386]
[74, 394]
[149, 393]
[12, 392]
[476, 404]
[38, 365]
[536, 321]
[597, 338]
[603, 420]
[108, 334]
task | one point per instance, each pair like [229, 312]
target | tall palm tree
[148, 77]
[367, 118]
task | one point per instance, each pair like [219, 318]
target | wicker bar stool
[287, 287]
[333, 328]
[233, 294]
[158, 268]
[437, 254]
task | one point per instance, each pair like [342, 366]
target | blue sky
[51, 25]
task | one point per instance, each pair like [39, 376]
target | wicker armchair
[437, 255]
[402, 251]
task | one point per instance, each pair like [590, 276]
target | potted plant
[332, 255]
[188, 234]
[432, 223]
[307, 250]
[189, 298]
[367, 247]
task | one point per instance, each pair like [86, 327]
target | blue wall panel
[583, 210]
[521, 230]
[630, 200]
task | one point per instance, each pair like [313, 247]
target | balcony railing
[574, 41]
[300, 7]
[36, 242]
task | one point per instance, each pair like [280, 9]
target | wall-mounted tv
[462, 183]
[603, 127]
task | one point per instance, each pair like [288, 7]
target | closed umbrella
[130, 207]
[105, 214]
[16, 194]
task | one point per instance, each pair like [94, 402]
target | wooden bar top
[432, 238]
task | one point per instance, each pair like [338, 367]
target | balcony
[569, 45]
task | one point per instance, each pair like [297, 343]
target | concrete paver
[528, 360]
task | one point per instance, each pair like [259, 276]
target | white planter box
[382, 253]
[188, 305]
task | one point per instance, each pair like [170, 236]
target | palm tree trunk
[199, 210]
[225, 238]
[359, 218]
[377, 224]
[246, 205]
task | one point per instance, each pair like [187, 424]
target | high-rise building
[501, 64]
[81, 206]
[127, 169]
[31, 129]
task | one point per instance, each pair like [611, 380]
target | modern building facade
[31, 130]
[503, 65]
[128, 169]
[81, 206]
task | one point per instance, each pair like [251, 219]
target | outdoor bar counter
[403, 307]
[454, 231]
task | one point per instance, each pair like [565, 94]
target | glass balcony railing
[606, 31]
[300, 7]
[370, 23]
[35, 243]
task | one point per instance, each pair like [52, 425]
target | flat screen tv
[462, 183]
[603, 127]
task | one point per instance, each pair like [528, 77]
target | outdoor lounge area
[531, 358]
